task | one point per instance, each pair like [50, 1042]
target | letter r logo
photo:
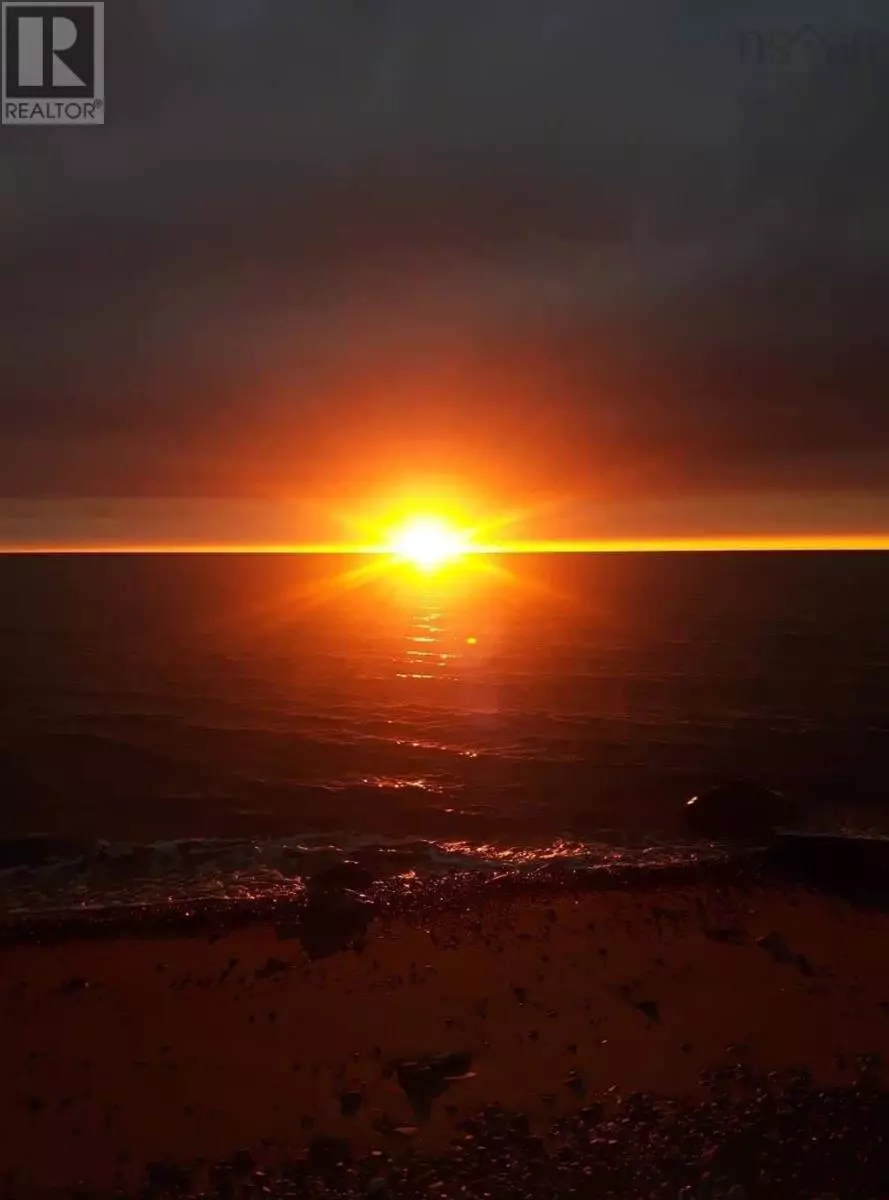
[63, 33]
[52, 51]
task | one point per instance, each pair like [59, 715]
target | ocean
[185, 728]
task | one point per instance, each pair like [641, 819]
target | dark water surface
[284, 703]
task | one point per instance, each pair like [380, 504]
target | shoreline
[852, 867]
[406, 895]
[123, 1051]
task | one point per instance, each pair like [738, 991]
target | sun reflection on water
[428, 642]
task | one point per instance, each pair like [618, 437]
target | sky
[619, 264]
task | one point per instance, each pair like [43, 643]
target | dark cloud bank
[628, 240]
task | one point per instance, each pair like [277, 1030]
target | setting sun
[428, 542]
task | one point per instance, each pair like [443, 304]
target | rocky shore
[708, 1041]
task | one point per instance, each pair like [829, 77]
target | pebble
[649, 1008]
[647, 1146]
[76, 984]
[350, 1102]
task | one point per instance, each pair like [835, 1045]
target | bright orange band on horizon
[597, 546]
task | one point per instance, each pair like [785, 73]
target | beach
[120, 1052]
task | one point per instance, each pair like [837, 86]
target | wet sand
[120, 1052]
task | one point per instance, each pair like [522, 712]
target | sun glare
[428, 542]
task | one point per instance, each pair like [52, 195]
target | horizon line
[732, 544]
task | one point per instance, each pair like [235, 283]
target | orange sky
[547, 522]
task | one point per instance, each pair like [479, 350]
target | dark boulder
[742, 809]
[331, 922]
[344, 875]
[424, 1080]
[855, 867]
[350, 1102]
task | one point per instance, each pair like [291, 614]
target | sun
[428, 542]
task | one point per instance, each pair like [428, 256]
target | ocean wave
[57, 878]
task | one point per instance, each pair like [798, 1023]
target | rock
[424, 1080]
[348, 875]
[852, 866]
[350, 1102]
[165, 1178]
[742, 809]
[775, 946]
[331, 922]
[77, 984]
[648, 1008]
[729, 937]
[243, 1161]
[273, 966]
[454, 1065]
